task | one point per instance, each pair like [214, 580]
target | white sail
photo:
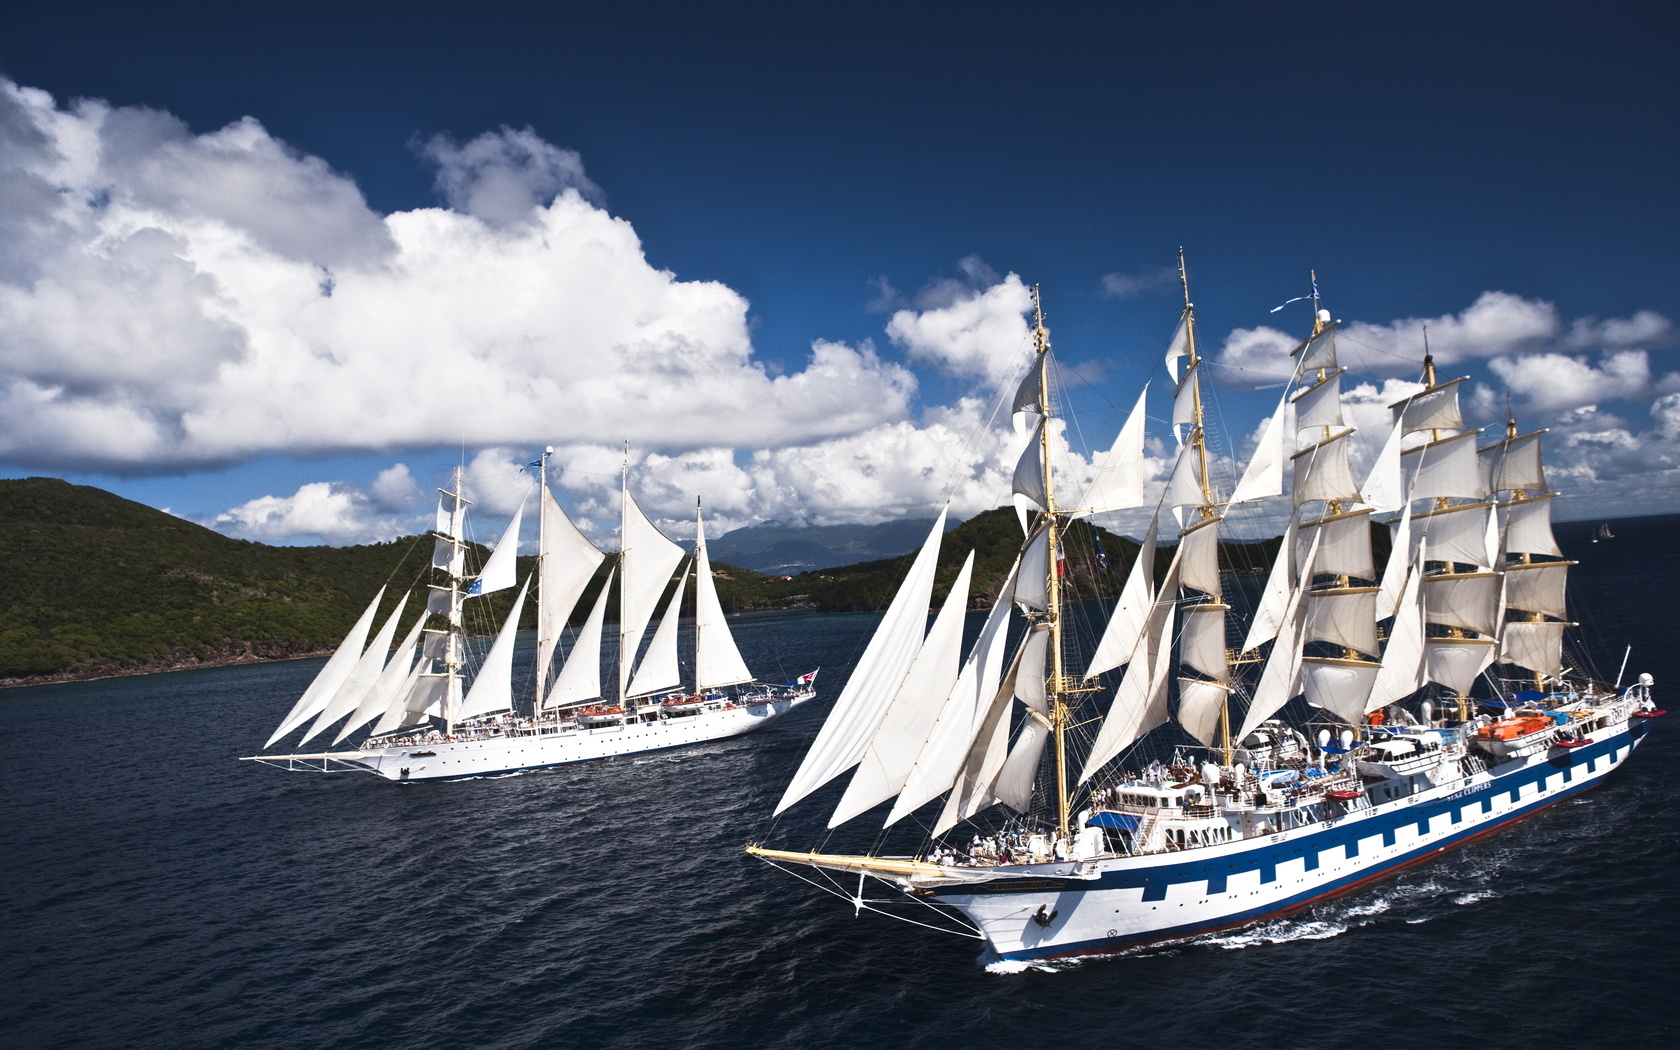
[1319, 351]
[1443, 468]
[1343, 616]
[1344, 544]
[1537, 645]
[440, 600]
[1030, 686]
[1456, 662]
[1184, 487]
[647, 563]
[717, 660]
[580, 676]
[1199, 565]
[1385, 486]
[905, 725]
[1014, 784]
[1179, 345]
[1338, 686]
[1470, 600]
[1268, 615]
[1395, 572]
[492, 690]
[361, 678]
[452, 514]
[1029, 470]
[1513, 464]
[965, 716]
[1432, 409]
[1402, 671]
[501, 571]
[1282, 671]
[1032, 584]
[1201, 645]
[1029, 396]
[1185, 398]
[1456, 534]
[1320, 405]
[658, 669]
[1199, 705]
[1527, 526]
[978, 769]
[331, 676]
[450, 556]
[1131, 612]
[1322, 473]
[1263, 477]
[416, 693]
[875, 680]
[1118, 482]
[389, 686]
[1140, 701]
[568, 562]
[1538, 587]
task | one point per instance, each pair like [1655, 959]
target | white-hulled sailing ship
[435, 715]
[1457, 718]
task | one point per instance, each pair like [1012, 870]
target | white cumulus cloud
[318, 512]
[170, 299]
[980, 332]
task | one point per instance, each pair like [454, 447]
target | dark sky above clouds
[832, 166]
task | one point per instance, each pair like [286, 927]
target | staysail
[717, 660]
[646, 563]
[331, 676]
[875, 680]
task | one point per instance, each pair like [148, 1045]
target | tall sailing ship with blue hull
[437, 713]
[1439, 703]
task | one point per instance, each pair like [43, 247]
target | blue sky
[821, 174]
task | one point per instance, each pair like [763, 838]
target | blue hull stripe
[1155, 881]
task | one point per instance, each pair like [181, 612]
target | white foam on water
[1281, 931]
[1375, 907]
[991, 963]
[1474, 896]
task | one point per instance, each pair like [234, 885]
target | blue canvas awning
[1118, 821]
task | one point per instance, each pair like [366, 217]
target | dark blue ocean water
[156, 893]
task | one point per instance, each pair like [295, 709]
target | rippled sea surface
[157, 893]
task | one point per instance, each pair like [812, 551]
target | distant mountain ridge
[785, 550]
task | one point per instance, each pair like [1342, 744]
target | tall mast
[1053, 585]
[1198, 439]
[542, 557]
[454, 656]
[1198, 442]
[624, 658]
[699, 538]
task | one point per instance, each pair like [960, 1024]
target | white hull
[553, 746]
[1114, 902]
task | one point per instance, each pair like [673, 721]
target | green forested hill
[96, 584]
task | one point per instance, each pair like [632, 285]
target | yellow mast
[1053, 585]
[1198, 441]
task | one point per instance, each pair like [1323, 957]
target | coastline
[179, 660]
